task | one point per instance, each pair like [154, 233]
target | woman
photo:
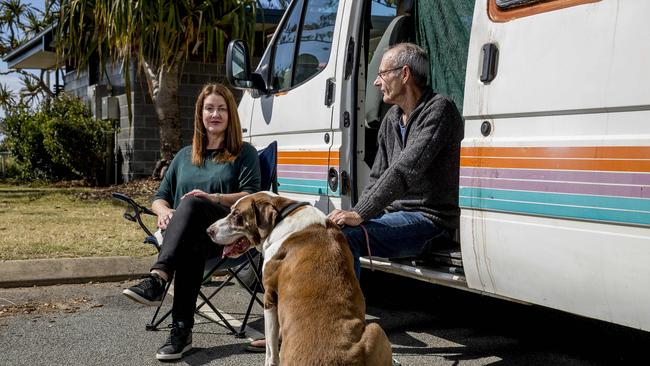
[202, 182]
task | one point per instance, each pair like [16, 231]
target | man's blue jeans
[398, 234]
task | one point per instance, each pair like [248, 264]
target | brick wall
[138, 140]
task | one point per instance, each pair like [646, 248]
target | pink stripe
[559, 187]
[302, 175]
[302, 168]
[558, 175]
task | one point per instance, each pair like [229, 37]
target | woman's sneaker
[178, 342]
[148, 292]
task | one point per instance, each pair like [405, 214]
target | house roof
[37, 53]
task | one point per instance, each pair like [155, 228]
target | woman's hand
[214, 197]
[342, 217]
[165, 218]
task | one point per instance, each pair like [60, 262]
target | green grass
[45, 222]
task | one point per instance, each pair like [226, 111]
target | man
[412, 195]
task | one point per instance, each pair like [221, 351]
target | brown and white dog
[312, 296]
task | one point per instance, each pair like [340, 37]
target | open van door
[299, 71]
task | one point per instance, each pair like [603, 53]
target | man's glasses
[381, 74]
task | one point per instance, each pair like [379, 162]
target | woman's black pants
[186, 246]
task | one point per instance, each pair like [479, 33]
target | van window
[299, 58]
[315, 39]
[283, 49]
[381, 14]
[506, 10]
[506, 4]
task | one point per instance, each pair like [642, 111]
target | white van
[555, 163]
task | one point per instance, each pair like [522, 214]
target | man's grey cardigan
[421, 173]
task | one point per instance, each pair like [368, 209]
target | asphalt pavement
[94, 324]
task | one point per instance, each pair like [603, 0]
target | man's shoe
[178, 342]
[148, 292]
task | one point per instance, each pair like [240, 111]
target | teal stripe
[618, 203]
[550, 208]
[308, 186]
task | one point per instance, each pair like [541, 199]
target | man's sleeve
[423, 146]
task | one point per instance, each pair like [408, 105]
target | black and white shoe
[148, 292]
[178, 342]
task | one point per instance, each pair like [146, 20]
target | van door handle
[329, 92]
[490, 62]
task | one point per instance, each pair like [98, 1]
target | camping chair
[250, 262]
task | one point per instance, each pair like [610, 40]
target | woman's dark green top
[241, 175]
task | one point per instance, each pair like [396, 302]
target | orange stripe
[588, 152]
[308, 154]
[605, 165]
[299, 161]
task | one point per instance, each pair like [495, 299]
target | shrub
[24, 139]
[75, 139]
[60, 140]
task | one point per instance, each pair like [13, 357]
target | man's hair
[415, 58]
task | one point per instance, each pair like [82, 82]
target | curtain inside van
[443, 29]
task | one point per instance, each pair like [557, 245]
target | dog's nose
[210, 231]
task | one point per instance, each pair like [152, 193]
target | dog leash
[365, 233]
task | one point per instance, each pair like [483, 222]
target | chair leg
[205, 300]
[257, 269]
[242, 333]
[216, 311]
[153, 324]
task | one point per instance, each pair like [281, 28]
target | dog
[312, 296]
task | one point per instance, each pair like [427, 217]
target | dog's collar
[289, 209]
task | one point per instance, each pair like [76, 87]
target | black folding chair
[251, 262]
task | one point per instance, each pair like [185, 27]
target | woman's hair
[233, 140]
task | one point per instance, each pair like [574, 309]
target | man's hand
[342, 217]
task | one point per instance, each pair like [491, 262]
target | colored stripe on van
[306, 171]
[590, 183]
[612, 158]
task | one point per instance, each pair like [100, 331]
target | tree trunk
[163, 89]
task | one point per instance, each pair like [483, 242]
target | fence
[4, 155]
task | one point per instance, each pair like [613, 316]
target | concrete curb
[32, 272]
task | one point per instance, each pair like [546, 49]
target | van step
[428, 273]
[451, 253]
[445, 257]
[432, 264]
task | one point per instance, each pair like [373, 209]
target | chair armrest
[137, 210]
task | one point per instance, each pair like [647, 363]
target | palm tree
[19, 22]
[158, 36]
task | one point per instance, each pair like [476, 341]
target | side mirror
[238, 69]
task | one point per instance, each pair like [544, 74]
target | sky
[12, 81]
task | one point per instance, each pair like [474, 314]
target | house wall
[138, 142]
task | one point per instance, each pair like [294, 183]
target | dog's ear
[265, 216]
